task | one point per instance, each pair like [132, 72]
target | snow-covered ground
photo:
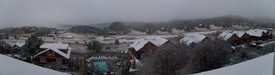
[264, 44]
[203, 32]
[259, 66]
[11, 66]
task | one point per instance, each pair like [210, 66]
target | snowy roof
[256, 32]
[259, 66]
[58, 45]
[158, 41]
[11, 66]
[139, 43]
[239, 33]
[192, 38]
[56, 48]
[19, 44]
[225, 35]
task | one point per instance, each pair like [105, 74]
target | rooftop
[192, 38]
[139, 43]
[56, 48]
[256, 32]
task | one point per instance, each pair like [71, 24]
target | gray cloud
[47, 12]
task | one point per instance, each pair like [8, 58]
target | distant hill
[84, 29]
[38, 31]
[189, 25]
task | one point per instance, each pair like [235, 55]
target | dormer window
[50, 53]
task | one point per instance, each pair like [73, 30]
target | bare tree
[210, 55]
[166, 60]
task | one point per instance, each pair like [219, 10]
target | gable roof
[239, 33]
[192, 38]
[225, 35]
[19, 44]
[11, 66]
[139, 43]
[158, 41]
[256, 32]
[56, 48]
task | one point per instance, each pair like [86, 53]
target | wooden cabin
[259, 34]
[17, 46]
[53, 54]
[139, 51]
[231, 38]
[193, 39]
[244, 37]
[144, 46]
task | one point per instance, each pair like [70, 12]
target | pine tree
[116, 42]
[31, 47]
[94, 47]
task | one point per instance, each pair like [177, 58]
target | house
[232, 38]
[52, 54]
[192, 39]
[243, 36]
[258, 34]
[143, 45]
[18, 45]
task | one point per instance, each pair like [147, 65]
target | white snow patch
[11, 66]
[272, 42]
[259, 66]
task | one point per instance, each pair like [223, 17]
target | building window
[43, 60]
[59, 60]
[50, 53]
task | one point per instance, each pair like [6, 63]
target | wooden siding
[234, 40]
[245, 38]
[50, 59]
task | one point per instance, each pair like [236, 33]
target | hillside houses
[192, 39]
[259, 34]
[143, 45]
[237, 37]
[52, 54]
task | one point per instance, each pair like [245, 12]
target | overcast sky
[45, 12]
